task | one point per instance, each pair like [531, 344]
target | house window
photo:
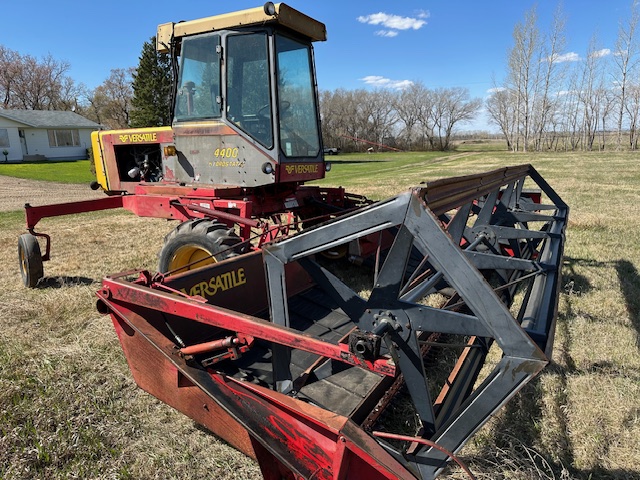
[4, 138]
[64, 138]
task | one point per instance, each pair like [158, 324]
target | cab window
[198, 93]
[296, 99]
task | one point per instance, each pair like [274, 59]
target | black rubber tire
[30, 260]
[200, 239]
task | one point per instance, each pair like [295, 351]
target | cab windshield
[248, 91]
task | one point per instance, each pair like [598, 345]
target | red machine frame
[251, 209]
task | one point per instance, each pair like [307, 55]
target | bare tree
[409, 104]
[632, 109]
[9, 67]
[424, 112]
[452, 106]
[592, 94]
[569, 106]
[626, 60]
[29, 83]
[340, 118]
[550, 75]
[502, 114]
[379, 115]
[110, 103]
[524, 61]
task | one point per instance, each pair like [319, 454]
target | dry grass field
[69, 408]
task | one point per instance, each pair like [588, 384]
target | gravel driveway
[15, 192]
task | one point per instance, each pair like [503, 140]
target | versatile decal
[302, 169]
[218, 283]
[138, 137]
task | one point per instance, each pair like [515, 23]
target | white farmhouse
[44, 135]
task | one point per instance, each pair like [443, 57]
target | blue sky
[371, 44]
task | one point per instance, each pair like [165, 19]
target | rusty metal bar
[210, 346]
[446, 194]
[220, 214]
[122, 291]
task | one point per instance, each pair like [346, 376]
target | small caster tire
[30, 259]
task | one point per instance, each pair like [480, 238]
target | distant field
[70, 409]
[78, 171]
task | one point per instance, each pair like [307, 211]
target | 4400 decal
[229, 152]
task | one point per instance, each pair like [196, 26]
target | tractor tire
[30, 260]
[201, 240]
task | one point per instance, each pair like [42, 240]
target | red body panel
[232, 205]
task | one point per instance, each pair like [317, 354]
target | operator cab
[246, 109]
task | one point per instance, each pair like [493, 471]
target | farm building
[44, 135]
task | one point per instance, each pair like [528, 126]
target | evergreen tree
[152, 83]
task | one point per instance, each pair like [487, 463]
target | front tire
[196, 243]
[30, 260]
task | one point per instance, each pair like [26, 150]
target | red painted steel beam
[35, 214]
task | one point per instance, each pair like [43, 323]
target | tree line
[555, 100]
[415, 117]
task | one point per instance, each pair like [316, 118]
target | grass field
[78, 171]
[69, 408]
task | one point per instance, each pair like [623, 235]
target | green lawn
[79, 171]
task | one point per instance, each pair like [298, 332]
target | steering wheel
[284, 106]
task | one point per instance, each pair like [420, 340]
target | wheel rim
[336, 253]
[185, 259]
[24, 267]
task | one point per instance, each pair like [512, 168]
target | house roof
[48, 118]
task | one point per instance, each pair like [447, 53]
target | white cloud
[564, 93]
[565, 57]
[387, 33]
[394, 22]
[601, 53]
[383, 82]
[423, 14]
